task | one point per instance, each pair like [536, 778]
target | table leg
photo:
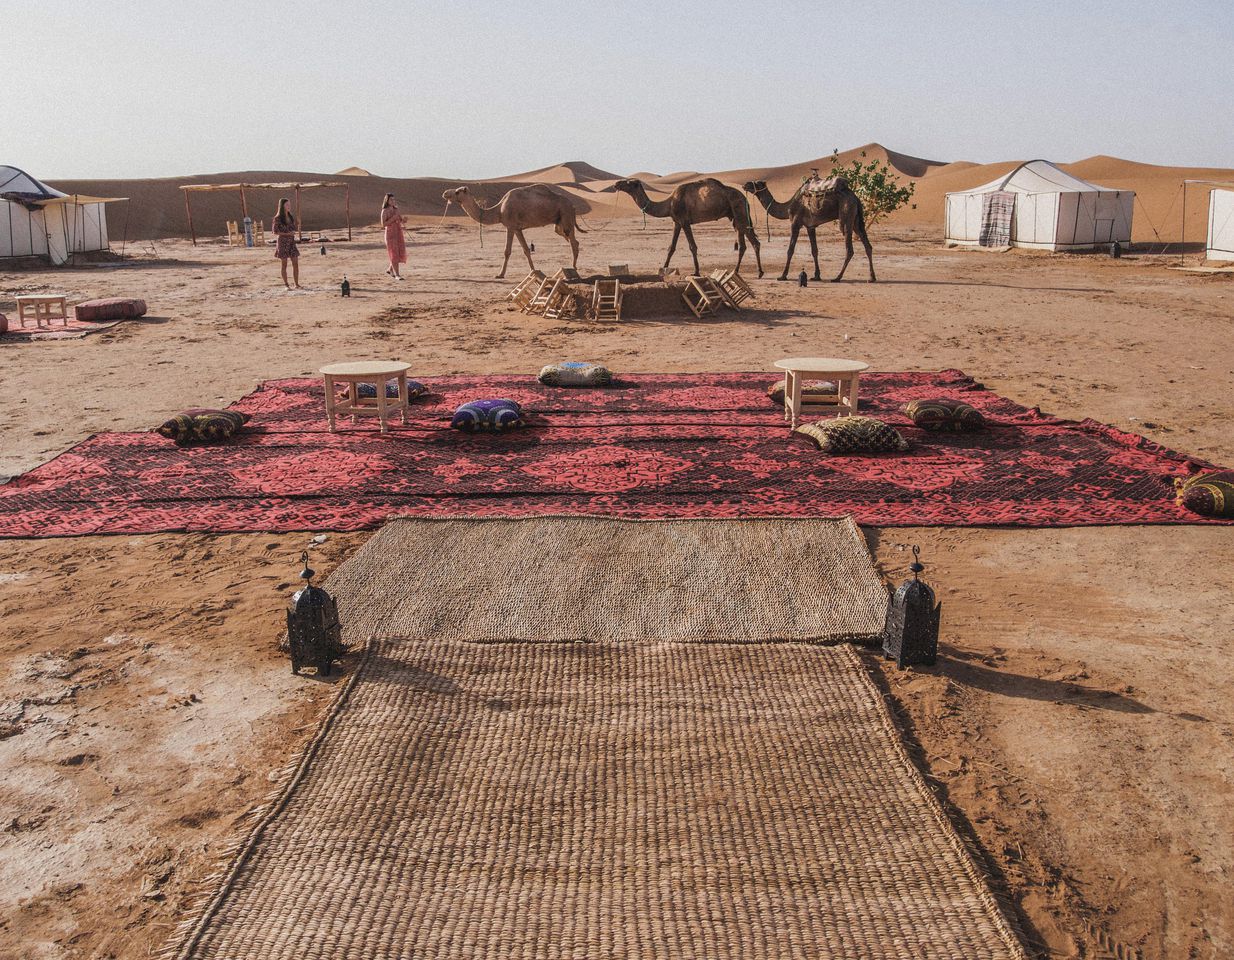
[353, 398]
[788, 378]
[402, 396]
[853, 400]
[796, 399]
[330, 401]
[381, 402]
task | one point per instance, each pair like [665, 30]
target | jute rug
[588, 801]
[554, 579]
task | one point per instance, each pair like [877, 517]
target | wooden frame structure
[242, 187]
[733, 286]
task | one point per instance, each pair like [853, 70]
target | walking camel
[521, 209]
[837, 203]
[699, 201]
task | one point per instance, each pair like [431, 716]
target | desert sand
[1078, 725]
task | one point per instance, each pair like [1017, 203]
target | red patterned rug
[660, 445]
[73, 329]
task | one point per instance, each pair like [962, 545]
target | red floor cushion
[113, 308]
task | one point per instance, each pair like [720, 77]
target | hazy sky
[96, 88]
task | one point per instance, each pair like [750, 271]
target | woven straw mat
[553, 579]
[589, 801]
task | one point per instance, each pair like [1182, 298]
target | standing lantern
[313, 632]
[802, 279]
[910, 635]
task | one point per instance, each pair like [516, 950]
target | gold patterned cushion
[1209, 494]
[853, 435]
[943, 413]
[812, 391]
[202, 426]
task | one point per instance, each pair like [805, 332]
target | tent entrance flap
[997, 214]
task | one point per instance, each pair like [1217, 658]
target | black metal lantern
[910, 635]
[313, 632]
[803, 279]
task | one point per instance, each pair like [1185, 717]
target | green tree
[879, 190]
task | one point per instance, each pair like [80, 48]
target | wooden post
[347, 188]
[299, 222]
[244, 207]
[188, 209]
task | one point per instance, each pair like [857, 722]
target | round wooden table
[376, 372]
[845, 373]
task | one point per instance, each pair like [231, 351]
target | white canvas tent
[37, 221]
[1038, 205]
[1220, 244]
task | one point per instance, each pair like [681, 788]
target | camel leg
[693, 248]
[865, 242]
[758, 250]
[741, 247]
[672, 247]
[526, 250]
[509, 246]
[848, 253]
[814, 250]
[573, 247]
[792, 245]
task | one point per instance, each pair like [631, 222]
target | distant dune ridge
[156, 209]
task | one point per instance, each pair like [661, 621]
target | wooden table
[42, 306]
[376, 372]
[845, 373]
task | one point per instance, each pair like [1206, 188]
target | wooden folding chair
[567, 273]
[235, 236]
[539, 297]
[733, 286]
[702, 296]
[606, 300]
[525, 289]
[560, 301]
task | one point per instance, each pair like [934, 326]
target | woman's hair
[284, 216]
[387, 201]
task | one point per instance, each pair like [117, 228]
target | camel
[520, 209]
[699, 201]
[839, 203]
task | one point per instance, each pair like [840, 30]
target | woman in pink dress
[284, 227]
[396, 244]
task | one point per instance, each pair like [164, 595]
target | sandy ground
[1080, 723]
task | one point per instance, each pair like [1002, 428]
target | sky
[470, 89]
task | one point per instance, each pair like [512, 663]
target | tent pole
[244, 207]
[1182, 242]
[299, 222]
[188, 209]
[347, 189]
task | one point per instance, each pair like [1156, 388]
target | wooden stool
[377, 372]
[42, 306]
[845, 373]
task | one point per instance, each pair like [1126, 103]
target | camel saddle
[814, 191]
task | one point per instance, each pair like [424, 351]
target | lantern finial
[916, 566]
[307, 573]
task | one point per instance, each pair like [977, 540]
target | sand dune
[156, 209]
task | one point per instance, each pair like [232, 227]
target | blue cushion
[368, 391]
[487, 416]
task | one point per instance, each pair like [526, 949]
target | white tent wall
[1053, 211]
[56, 224]
[21, 231]
[1220, 243]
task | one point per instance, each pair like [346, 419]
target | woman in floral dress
[285, 248]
